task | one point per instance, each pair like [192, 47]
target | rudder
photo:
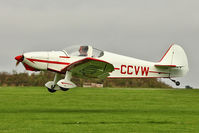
[176, 58]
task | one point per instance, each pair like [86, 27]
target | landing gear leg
[52, 90]
[66, 83]
[52, 84]
[176, 82]
[68, 76]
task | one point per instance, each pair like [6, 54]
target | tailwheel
[64, 89]
[176, 82]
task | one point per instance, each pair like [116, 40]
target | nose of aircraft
[19, 58]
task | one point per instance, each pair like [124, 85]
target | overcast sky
[138, 28]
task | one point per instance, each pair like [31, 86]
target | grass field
[92, 110]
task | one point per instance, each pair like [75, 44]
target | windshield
[97, 53]
[87, 51]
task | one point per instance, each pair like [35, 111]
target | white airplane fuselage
[173, 64]
[125, 67]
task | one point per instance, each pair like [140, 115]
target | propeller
[17, 63]
[19, 59]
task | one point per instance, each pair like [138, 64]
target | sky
[136, 28]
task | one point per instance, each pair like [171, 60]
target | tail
[175, 59]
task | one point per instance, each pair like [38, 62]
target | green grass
[92, 110]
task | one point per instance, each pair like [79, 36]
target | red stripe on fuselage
[46, 61]
[64, 57]
[134, 77]
[29, 68]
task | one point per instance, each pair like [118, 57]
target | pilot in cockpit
[83, 50]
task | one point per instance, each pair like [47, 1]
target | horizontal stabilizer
[165, 66]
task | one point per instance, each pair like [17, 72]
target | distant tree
[39, 79]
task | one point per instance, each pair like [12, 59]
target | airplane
[88, 62]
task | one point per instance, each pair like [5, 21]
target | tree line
[39, 79]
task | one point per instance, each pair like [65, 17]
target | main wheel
[51, 90]
[178, 83]
[64, 89]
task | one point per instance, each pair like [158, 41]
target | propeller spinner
[19, 59]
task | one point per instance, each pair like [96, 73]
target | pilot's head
[83, 50]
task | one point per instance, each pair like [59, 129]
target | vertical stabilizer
[175, 59]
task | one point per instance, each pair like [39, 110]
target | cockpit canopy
[87, 51]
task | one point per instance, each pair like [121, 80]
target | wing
[90, 68]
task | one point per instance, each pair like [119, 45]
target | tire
[64, 89]
[51, 90]
[178, 83]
